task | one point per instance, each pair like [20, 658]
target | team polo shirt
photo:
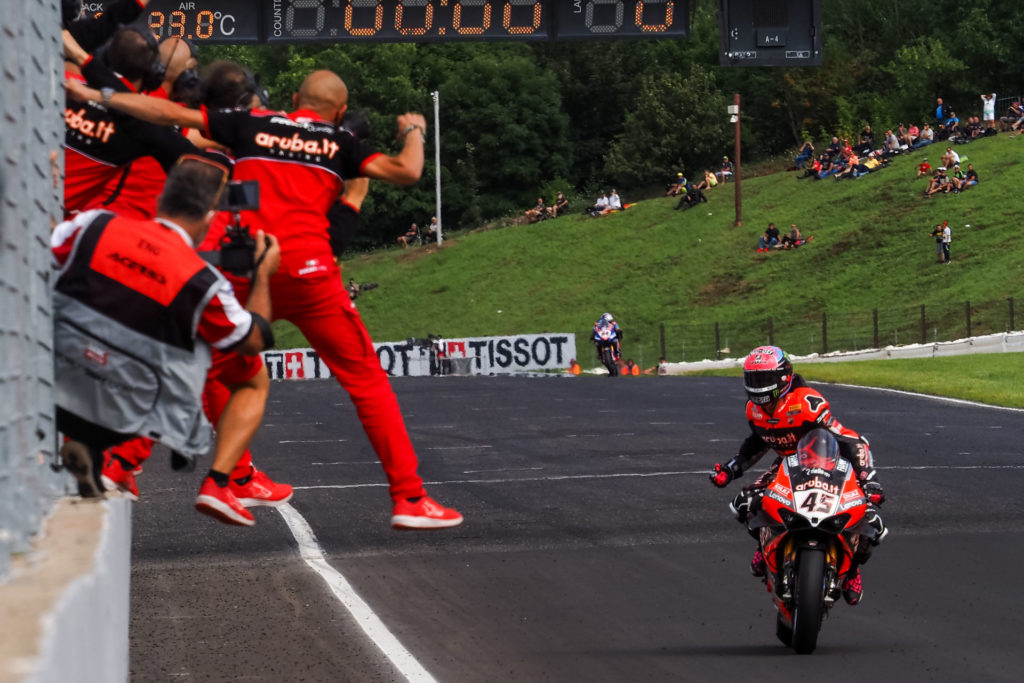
[300, 162]
[98, 142]
[134, 191]
[223, 323]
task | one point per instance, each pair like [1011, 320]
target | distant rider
[781, 410]
[609, 320]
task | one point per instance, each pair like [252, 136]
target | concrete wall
[31, 102]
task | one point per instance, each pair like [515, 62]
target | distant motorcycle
[809, 520]
[606, 340]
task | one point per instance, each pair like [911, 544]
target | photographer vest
[126, 311]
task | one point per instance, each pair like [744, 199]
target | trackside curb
[64, 609]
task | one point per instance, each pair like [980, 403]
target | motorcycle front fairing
[812, 502]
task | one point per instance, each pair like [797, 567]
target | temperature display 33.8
[205, 21]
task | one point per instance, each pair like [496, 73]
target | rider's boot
[853, 589]
[757, 564]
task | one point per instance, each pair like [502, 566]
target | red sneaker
[425, 513]
[220, 503]
[260, 490]
[116, 478]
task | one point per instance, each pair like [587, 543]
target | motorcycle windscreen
[818, 474]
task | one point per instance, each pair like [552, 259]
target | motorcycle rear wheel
[809, 600]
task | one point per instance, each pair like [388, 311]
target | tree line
[520, 121]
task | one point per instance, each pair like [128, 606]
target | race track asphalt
[594, 547]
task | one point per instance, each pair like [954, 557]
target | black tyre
[608, 358]
[783, 632]
[809, 600]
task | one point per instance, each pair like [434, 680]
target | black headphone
[153, 78]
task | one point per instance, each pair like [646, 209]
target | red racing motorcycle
[809, 522]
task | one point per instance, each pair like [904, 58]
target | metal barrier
[31, 98]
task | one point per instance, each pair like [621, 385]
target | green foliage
[516, 117]
[923, 71]
[689, 270]
[986, 378]
[677, 123]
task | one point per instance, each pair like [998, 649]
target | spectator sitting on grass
[537, 213]
[614, 202]
[431, 231]
[769, 239]
[957, 178]
[813, 170]
[411, 235]
[709, 181]
[726, 171]
[599, 207]
[923, 168]
[1014, 114]
[940, 183]
[970, 177]
[560, 206]
[867, 141]
[911, 137]
[847, 171]
[891, 144]
[676, 186]
[953, 123]
[950, 158]
[927, 137]
[803, 155]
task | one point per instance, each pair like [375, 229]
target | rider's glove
[874, 492]
[723, 474]
[745, 503]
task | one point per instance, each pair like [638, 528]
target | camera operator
[224, 85]
[136, 312]
[298, 190]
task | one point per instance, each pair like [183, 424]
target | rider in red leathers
[781, 409]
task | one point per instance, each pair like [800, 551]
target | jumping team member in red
[301, 160]
[781, 409]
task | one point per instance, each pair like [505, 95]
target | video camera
[237, 249]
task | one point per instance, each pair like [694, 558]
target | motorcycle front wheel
[809, 600]
[608, 358]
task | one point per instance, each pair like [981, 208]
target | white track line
[633, 475]
[943, 399]
[315, 441]
[311, 553]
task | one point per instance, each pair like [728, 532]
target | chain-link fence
[817, 331]
[31, 102]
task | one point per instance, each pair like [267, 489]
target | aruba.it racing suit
[795, 413]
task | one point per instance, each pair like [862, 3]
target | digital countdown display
[294, 21]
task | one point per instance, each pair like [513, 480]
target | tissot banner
[420, 357]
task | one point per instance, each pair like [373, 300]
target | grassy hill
[688, 270]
